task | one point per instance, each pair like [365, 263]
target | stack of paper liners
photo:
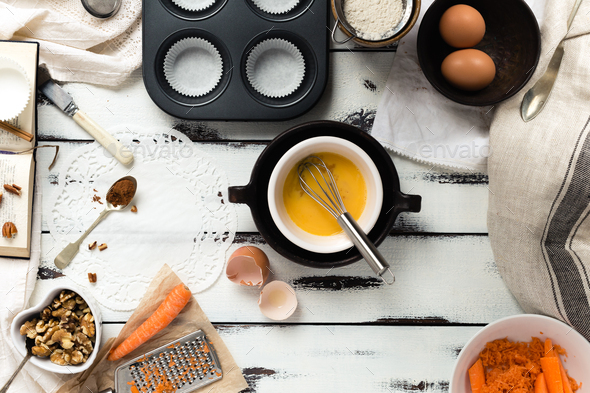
[191, 318]
[19, 169]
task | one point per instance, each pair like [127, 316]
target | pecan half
[9, 229]
[102, 247]
[92, 277]
[13, 189]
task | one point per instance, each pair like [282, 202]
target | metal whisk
[329, 198]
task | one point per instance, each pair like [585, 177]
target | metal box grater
[181, 366]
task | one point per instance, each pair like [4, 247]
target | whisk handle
[365, 246]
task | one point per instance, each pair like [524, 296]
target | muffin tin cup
[193, 67]
[194, 5]
[275, 68]
[277, 13]
[193, 10]
[309, 79]
[210, 94]
[276, 6]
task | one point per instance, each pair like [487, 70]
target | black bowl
[512, 40]
[255, 193]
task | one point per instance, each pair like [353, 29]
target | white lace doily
[184, 218]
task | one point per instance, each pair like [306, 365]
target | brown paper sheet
[101, 375]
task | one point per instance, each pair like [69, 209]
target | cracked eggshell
[248, 266]
[277, 300]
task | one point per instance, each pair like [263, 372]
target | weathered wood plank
[440, 280]
[354, 88]
[452, 202]
[342, 358]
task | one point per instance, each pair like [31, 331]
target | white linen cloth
[17, 284]
[539, 205]
[416, 121]
[75, 46]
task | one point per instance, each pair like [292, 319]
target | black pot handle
[240, 194]
[408, 203]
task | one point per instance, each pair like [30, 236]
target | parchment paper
[101, 375]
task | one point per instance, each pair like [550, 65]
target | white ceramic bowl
[314, 243]
[522, 328]
[29, 314]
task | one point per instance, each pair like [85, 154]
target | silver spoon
[102, 9]
[535, 99]
[29, 343]
[65, 257]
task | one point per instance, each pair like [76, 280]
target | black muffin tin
[234, 27]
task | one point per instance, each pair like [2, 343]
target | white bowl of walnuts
[66, 327]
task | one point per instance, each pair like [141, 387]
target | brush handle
[113, 146]
[365, 246]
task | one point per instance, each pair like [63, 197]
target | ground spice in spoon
[121, 193]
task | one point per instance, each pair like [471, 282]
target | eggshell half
[277, 300]
[248, 266]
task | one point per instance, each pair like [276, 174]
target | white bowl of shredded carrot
[523, 354]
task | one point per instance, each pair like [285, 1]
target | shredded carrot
[166, 312]
[515, 366]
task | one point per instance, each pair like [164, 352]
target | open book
[19, 169]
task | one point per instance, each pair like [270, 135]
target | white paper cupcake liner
[275, 68]
[276, 6]
[15, 89]
[194, 5]
[193, 67]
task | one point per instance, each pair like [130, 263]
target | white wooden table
[350, 333]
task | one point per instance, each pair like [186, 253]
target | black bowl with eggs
[512, 39]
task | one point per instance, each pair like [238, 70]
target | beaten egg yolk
[309, 215]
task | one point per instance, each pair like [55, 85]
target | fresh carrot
[477, 377]
[540, 384]
[567, 388]
[549, 352]
[166, 312]
[550, 367]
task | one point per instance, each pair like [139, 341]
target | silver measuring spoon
[65, 257]
[102, 9]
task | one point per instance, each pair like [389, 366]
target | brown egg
[248, 266]
[462, 26]
[469, 69]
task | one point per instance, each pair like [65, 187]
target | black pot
[255, 193]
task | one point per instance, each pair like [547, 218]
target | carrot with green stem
[477, 377]
[550, 367]
[540, 384]
[166, 312]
